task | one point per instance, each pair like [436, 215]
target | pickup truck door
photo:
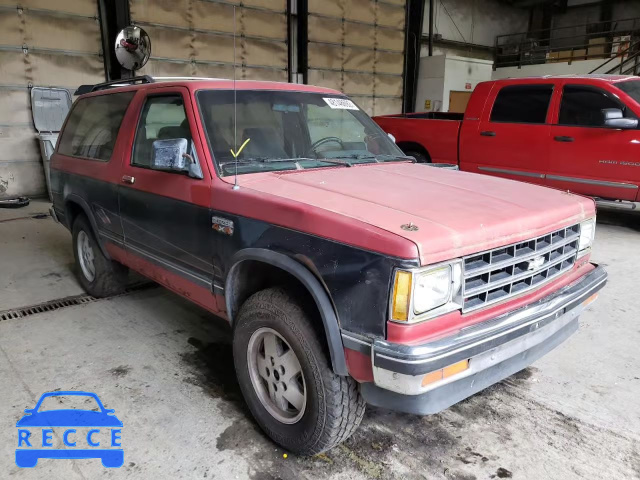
[166, 215]
[586, 156]
[511, 138]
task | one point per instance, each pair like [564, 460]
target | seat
[175, 131]
[265, 142]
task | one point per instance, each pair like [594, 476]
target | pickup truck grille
[503, 273]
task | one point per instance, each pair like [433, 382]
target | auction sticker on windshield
[340, 103]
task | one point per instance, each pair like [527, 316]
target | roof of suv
[199, 83]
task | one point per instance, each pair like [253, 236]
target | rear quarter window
[522, 104]
[92, 128]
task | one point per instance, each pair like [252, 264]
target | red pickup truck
[577, 133]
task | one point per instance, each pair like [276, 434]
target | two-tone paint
[337, 231]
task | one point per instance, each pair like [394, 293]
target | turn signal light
[590, 300]
[401, 296]
[445, 372]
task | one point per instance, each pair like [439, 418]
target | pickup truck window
[631, 88]
[582, 106]
[286, 130]
[522, 104]
[163, 117]
[93, 125]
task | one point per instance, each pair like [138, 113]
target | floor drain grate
[53, 305]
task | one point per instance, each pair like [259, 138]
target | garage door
[356, 46]
[42, 43]
[195, 37]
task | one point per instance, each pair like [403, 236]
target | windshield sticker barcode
[341, 103]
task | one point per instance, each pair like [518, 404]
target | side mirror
[171, 155]
[614, 118]
[393, 139]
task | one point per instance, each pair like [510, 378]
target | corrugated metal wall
[195, 37]
[357, 46]
[42, 43]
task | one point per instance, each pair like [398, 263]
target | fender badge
[222, 225]
[409, 227]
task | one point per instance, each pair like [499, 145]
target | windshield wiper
[274, 160]
[357, 156]
[387, 157]
[279, 160]
[262, 160]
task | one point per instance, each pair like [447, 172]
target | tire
[332, 407]
[419, 156]
[16, 202]
[109, 277]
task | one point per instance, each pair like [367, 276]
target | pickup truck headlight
[587, 234]
[424, 293]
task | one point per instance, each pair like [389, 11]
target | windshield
[290, 131]
[631, 88]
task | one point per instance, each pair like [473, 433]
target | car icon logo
[35, 432]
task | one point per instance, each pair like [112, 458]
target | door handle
[487, 133]
[128, 179]
[561, 138]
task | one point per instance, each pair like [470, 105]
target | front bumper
[495, 349]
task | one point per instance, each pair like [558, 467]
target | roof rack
[82, 89]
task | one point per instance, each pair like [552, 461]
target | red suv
[349, 273]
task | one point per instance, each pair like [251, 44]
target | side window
[93, 125]
[522, 104]
[163, 118]
[582, 106]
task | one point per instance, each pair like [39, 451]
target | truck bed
[433, 133]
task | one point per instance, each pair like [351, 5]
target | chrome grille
[502, 273]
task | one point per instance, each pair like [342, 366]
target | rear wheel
[286, 377]
[98, 275]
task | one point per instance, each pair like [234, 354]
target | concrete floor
[165, 366]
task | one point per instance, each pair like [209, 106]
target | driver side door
[166, 215]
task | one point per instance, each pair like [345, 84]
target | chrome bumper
[496, 348]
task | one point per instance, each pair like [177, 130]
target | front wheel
[286, 377]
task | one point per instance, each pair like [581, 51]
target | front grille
[502, 273]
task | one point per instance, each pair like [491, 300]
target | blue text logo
[80, 432]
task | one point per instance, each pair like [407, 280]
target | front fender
[310, 282]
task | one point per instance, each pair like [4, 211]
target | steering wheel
[322, 141]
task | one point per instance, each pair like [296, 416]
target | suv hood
[456, 213]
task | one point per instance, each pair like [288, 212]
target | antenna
[235, 115]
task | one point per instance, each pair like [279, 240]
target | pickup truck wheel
[420, 157]
[286, 377]
[98, 275]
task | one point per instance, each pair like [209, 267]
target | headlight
[427, 292]
[587, 234]
[432, 289]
